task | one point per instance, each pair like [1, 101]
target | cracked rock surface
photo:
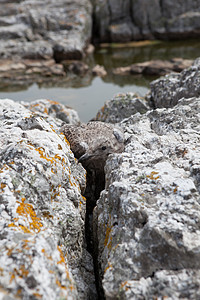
[168, 90]
[122, 21]
[44, 29]
[147, 220]
[42, 211]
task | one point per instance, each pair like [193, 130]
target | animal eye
[103, 148]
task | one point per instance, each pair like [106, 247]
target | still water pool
[89, 97]
[85, 100]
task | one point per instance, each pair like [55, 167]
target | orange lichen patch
[66, 140]
[19, 292]
[152, 175]
[53, 102]
[59, 147]
[45, 111]
[34, 105]
[22, 272]
[12, 277]
[37, 295]
[62, 258]
[46, 255]
[103, 108]
[125, 284]
[108, 267]
[54, 193]
[4, 167]
[3, 185]
[176, 189]
[62, 261]
[84, 199]
[107, 238]
[60, 285]
[26, 210]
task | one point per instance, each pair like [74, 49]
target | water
[88, 99]
[85, 100]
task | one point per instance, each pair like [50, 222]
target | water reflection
[87, 94]
[86, 100]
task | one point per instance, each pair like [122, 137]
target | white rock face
[42, 210]
[147, 218]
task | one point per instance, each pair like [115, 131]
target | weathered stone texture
[45, 29]
[122, 21]
[147, 218]
[42, 210]
[120, 107]
[167, 91]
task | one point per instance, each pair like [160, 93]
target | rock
[123, 21]
[75, 66]
[120, 107]
[42, 210]
[56, 110]
[167, 91]
[29, 70]
[146, 222]
[45, 29]
[155, 67]
[99, 71]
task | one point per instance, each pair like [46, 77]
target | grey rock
[45, 29]
[155, 67]
[42, 211]
[146, 222]
[99, 71]
[120, 107]
[54, 111]
[76, 67]
[122, 21]
[167, 91]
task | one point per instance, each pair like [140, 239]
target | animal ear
[119, 135]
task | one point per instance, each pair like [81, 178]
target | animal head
[102, 146]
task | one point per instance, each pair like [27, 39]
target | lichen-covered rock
[56, 110]
[122, 21]
[167, 91]
[45, 29]
[120, 107]
[147, 218]
[42, 210]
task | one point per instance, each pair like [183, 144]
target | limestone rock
[99, 71]
[54, 111]
[76, 67]
[155, 67]
[42, 211]
[120, 107]
[167, 91]
[123, 21]
[147, 218]
[45, 29]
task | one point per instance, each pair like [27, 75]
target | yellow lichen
[26, 210]
[3, 185]
[108, 267]
[152, 175]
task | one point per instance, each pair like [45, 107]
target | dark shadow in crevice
[95, 184]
